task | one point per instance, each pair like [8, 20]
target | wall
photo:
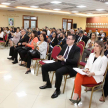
[49, 20]
[102, 20]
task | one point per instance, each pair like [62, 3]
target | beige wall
[49, 20]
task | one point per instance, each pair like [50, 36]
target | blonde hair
[95, 36]
[101, 44]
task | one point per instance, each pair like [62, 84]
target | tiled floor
[18, 90]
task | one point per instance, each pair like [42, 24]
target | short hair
[81, 31]
[73, 36]
[44, 30]
[24, 30]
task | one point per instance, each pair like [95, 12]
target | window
[67, 23]
[30, 21]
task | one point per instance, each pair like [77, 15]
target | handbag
[34, 53]
[26, 48]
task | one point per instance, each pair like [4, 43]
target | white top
[42, 49]
[1, 34]
[87, 45]
[48, 32]
[98, 67]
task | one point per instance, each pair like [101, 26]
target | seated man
[67, 59]
[14, 49]
[62, 39]
[81, 37]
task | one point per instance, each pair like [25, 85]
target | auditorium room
[54, 54]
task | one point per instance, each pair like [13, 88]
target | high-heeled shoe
[28, 71]
[76, 101]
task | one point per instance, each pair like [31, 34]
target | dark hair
[68, 33]
[81, 31]
[14, 30]
[7, 28]
[35, 33]
[73, 36]
[104, 33]
[1, 29]
[44, 36]
[44, 30]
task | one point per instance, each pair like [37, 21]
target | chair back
[105, 73]
[56, 50]
[92, 51]
[82, 43]
[81, 48]
[47, 48]
[6, 37]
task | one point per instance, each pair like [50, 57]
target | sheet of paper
[48, 61]
[78, 70]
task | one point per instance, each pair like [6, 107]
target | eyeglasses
[68, 39]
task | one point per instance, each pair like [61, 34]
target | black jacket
[73, 57]
[84, 38]
[54, 42]
[25, 39]
[62, 42]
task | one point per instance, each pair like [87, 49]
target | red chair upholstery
[82, 64]
[56, 50]
[81, 48]
[82, 43]
[6, 37]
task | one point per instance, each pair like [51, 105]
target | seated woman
[106, 79]
[41, 46]
[9, 35]
[28, 46]
[95, 69]
[1, 33]
[103, 37]
[89, 46]
[16, 37]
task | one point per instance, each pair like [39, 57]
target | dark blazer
[62, 42]
[54, 42]
[84, 38]
[73, 57]
[25, 39]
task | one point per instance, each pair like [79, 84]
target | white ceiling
[66, 5]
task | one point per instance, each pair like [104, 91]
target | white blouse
[1, 34]
[98, 66]
[42, 49]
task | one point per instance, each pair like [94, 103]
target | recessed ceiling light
[89, 13]
[81, 6]
[74, 11]
[100, 9]
[6, 3]
[34, 6]
[56, 2]
[3, 6]
[57, 9]
[106, 2]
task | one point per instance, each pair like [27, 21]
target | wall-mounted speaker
[75, 25]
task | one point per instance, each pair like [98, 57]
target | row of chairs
[56, 50]
[4, 41]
